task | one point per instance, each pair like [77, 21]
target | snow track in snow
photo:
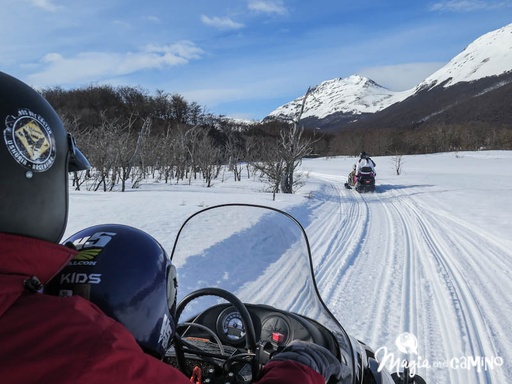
[388, 263]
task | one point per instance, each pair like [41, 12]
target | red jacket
[47, 339]
[289, 372]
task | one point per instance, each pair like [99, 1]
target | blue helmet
[128, 275]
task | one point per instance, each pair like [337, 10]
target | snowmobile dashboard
[270, 324]
[215, 340]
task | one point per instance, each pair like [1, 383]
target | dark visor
[77, 160]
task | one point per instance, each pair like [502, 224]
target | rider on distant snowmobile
[365, 161]
[352, 175]
[364, 166]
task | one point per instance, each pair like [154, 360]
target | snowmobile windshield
[259, 254]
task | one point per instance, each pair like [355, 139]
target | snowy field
[429, 253]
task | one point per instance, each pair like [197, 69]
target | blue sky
[240, 58]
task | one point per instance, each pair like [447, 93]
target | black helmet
[34, 154]
[363, 155]
[128, 275]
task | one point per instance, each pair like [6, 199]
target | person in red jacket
[51, 339]
[129, 276]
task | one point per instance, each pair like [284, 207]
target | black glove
[312, 355]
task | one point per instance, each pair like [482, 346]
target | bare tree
[397, 163]
[293, 149]
[268, 162]
[192, 139]
[165, 153]
[272, 168]
[207, 157]
[140, 154]
[251, 144]
[100, 152]
[125, 147]
[279, 160]
[234, 152]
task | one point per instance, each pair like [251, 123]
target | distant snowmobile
[363, 181]
[362, 177]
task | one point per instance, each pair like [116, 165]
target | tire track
[384, 305]
[347, 275]
[335, 235]
[423, 297]
[336, 238]
[474, 332]
[387, 264]
[464, 330]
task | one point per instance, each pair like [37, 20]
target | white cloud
[153, 19]
[468, 5]
[93, 66]
[221, 22]
[267, 6]
[47, 5]
[52, 58]
[184, 49]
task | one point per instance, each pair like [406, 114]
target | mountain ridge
[480, 70]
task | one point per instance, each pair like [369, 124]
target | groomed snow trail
[429, 253]
[391, 262]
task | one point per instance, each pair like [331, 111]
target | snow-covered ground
[429, 253]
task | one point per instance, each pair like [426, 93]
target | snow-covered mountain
[338, 102]
[353, 95]
[489, 55]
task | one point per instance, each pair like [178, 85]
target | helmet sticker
[90, 247]
[96, 240]
[80, 278]
[30, 140]
[65, 293]
[165, 332]
[86, 257]
[83, 290]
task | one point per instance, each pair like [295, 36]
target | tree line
[434, 138]
[130, 135]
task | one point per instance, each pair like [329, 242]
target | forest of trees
[439, 137]
[129, 135]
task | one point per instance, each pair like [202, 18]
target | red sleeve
[116, 357]
[108, 353]
[289, 372]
